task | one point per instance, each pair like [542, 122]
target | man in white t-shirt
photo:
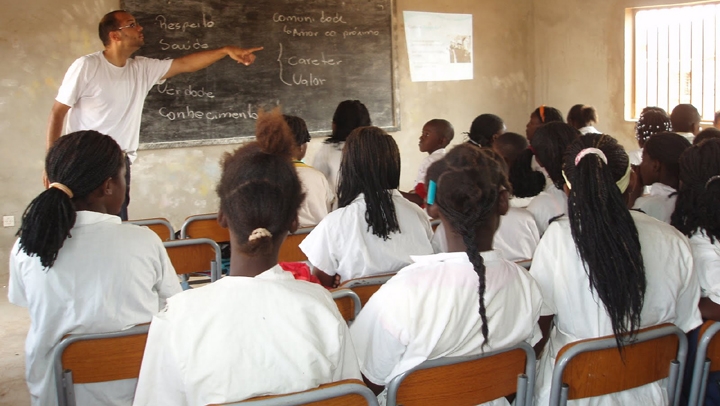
[105, 91]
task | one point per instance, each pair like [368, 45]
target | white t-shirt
[688, 136]
[243, 337]
[706, 260]
[108, 98]
[108, 277]
[550, 203]
[636, 156]
[430, 310]
[589, 130]
[659, 203]
[319, 197]
[671, 296]
[425, 164]
[344, 244]
[516, 238]
[327, 160]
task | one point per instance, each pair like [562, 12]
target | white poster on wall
[439, 46]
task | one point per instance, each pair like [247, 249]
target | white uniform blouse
[109, 276]
[425, 164]
[343, 244]
[327, 160]
[319, 196]
[706, 257]
[430, 310]
[660, 203]
[243, 337]
[671, 296]
[550, 203]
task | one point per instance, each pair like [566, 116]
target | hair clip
[711, 180]
[432, 189]
[542, 113]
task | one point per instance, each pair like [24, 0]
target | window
[672, 58]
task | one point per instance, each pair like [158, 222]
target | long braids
[698, 199]
[603, 230]
[549, 143]
[467, 197]
[81, 161]
[371, 166]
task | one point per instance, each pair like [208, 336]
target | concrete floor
[14, 324]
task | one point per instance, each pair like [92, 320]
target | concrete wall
[39, 39]
[579, 57]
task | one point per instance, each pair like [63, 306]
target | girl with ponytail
[467, 301]
[605, 270]
[257, 331]
[78, 269]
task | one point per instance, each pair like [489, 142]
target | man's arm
[201, 60]
[55, 123]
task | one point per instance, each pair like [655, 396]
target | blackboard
[317, 54]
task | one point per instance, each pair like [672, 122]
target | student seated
[375, 230]
[549, 144]
[539, 116]
[659, 169]
[256, 331]
[319, 196]
[526, 182]
[436, 135]
[349, 115]
[464, 302]
[605, 270]
[484, 129]
[108, 277]
[705, 134]
[583, 118]
[685, 121]
[652, 120]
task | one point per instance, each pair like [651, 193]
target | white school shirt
[516, 237]
[589, 130]
[550, 203]
[107, 277]
[109, 98]
[327, 160]
[688, 135]
[344, 244]
[706, 260]
[636, 156]
[671, 296]
[659, 203]
[430, 310]
[319, 196]
[425, 164]
[243, 337]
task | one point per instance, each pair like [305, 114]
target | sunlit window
[675, 58]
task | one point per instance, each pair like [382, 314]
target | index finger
[251, 50]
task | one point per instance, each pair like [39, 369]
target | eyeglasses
[131, 25]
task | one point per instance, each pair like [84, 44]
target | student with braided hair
[109, 276]
[605, 270]
[549, 144]
[375, 229]
[349, 115]
[652, 120]
[659, 170]
[539, 116]
[285, 335]
[464, 302]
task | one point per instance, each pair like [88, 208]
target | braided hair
[549, 144]
[371, 165]
[299, 129]
[604, 232]
[82, 161]
[698, 198]
[483, 128]
[467, 197]
[652, 120]
[259, 187]
[349, 115]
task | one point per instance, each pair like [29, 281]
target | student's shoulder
[652, 227]
[136, 234]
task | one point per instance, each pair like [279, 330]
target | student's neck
[242, 264]
[455, 242]
[90, 206]
[433, 151]
[671, 181]
[117, 55]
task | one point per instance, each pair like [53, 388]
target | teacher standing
[105, 91]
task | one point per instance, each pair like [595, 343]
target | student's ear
[433, 211]
[294, 225]
[221, 219]
[503, 202]
[107, 188]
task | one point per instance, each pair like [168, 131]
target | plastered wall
[39, 39]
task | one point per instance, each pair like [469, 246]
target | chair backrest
[469, 380]
[195, 255]
[290, 249]
[204, 226]
[160, 226]
[91, 358]
[348, 302]
[367, 286]
[595, 367]
[707, 359]
[349, 392]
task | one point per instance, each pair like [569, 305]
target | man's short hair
[108, 24]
